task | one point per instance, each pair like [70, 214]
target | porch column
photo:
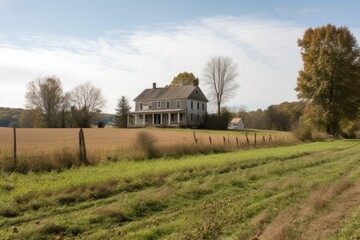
[127, 120]
[135, 119]
[169, 118]
[153, 120]
[178, 117]
[160, 118]
[144, 119]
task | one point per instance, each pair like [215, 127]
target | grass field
[46, 149]
[306, 191]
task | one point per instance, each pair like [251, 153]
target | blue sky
[124, 46]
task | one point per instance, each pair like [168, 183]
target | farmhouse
[173, 106]
[236, 123]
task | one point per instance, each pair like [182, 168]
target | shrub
[146, 142]
[303, 132]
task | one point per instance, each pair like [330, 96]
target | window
[191, 117]
[141, 106]
[181, 117]
[178, 104]
[198, 117]
[197, 91]
[167, 104]
[172, 117]
[203, 106]
[198, 105]
[158, 104]
[191, 105]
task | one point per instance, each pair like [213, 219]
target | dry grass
[47, 149]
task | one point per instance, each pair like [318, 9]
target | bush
[303, 132]
[146, 142]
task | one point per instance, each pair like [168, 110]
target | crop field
[39, 149]
[108, 138]
[303, 191]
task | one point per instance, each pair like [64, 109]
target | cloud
[124, 63]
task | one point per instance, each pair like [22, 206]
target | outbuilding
[236, 123]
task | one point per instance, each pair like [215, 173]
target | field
[304, 191]
[46, 149]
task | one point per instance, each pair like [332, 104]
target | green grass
[234, 195]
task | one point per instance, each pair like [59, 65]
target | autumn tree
[86, 102]
[330, 78]
[183, 79]
[220, 75]
[122, 110]
[46, 95]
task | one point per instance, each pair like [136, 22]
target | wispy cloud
[124, 63]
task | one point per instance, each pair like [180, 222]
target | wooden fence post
[82, 146]
[15, 157]
[195, 137]
[263, 139]
[224, 140]
[210, 139]
[247, 139]
[237, 142]
[255, 139]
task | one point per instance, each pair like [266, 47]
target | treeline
[9, 117]
[30, 118]
[281, 117]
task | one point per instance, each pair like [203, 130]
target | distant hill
[9, 117]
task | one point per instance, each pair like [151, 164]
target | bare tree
[220, 74]
[46, 95]
[87, 101]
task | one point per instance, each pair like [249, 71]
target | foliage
[216, 122]
[280, 117]
[122, 110]
[86, 101]
[284, 116]
[184, 78]
[9, 116]
[220, 75]
[46, 95]
[330, 76]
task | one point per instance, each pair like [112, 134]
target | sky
[123, 46]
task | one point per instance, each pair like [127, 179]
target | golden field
[47, 149]
[44, 139]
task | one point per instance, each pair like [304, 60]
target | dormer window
[158, 104]
[167, 104]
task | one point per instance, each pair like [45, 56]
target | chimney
[154, 85]
[196, 82]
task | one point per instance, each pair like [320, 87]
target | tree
[183, 79]
[330, 78]
[123, 108]
[46, 95]
[220, 74]
[86, 101]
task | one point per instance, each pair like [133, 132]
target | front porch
[156, 118]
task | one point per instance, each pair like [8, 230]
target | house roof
[171, 93]
[236, 120]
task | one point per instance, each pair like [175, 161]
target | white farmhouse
[173, 106]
